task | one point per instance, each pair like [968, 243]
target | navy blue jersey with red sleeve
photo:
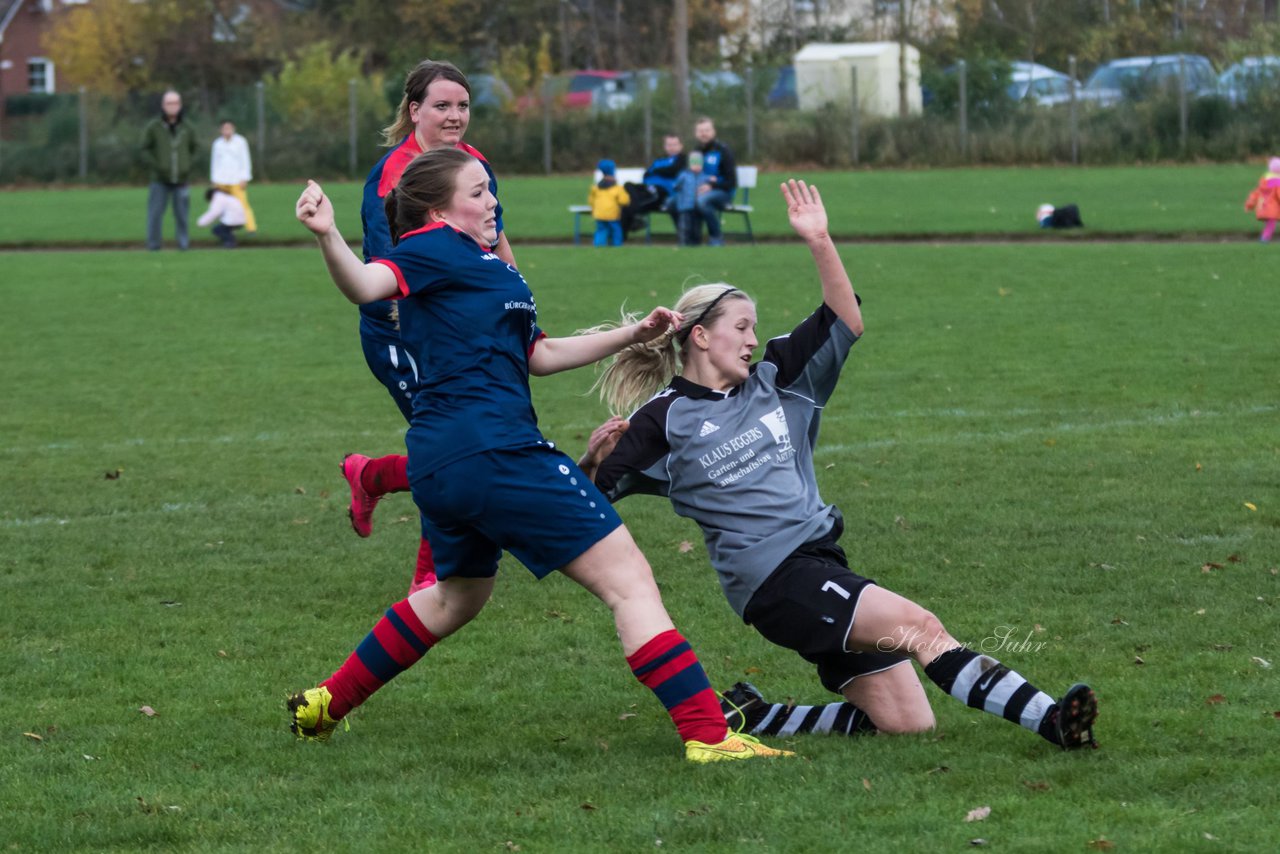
[378, 318]
[469, 320]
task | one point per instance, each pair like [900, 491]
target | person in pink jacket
[1264, 201]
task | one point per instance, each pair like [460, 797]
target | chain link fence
[87, 138]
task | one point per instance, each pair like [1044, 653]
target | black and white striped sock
[981, 682]
[781, 719]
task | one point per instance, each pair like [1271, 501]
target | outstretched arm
[552, 355]
[809, 219]
[359, 282]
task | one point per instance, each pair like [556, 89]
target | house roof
[8, 8]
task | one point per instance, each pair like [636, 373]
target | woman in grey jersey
[730, 442]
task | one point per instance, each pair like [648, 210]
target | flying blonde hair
[638, 372]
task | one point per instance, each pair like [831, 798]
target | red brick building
[24, 66]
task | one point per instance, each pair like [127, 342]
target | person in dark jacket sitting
[722, 174]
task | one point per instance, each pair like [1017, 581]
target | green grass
[1164, 200]
[1050, 438]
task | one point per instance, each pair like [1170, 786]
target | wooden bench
[747, 177]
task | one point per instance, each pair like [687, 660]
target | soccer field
[1068, 452]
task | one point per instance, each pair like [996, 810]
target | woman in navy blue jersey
[481, 472]
[434, 113]
[730, 443]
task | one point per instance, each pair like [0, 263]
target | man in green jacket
[169, 150]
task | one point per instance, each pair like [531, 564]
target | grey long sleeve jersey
[740, 463]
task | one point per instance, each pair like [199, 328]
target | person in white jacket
[231, 169]
[225, 214]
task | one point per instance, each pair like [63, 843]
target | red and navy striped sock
[667, 666]
[386, 474]
[395, 644]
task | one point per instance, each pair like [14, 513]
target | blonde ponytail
[638, 372]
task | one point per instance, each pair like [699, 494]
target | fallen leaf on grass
[902, 523]
[1210, 566]
[941, 769]
[1251, 506]
[589, 806]
[112, 475]
[1208, 836]
[1215, 700]
[978, 814]
[978, 843]
[625, 715]
[751, 671]
[1261, 662]
[1137, 659]
[1101, 844]
[1036, 785]
[300, 490]
[866, 784]
[685, 547]
[1118, 622]
[510, 846]
[148, 711]
[34, 736]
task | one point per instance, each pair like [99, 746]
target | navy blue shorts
[533, 502]
[394, 368]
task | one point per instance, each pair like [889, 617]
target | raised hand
[314, 210]
[659, 321]
[805, 209]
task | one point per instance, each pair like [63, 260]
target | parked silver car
[1038, 84]
[1140, 76]
[1249, 75]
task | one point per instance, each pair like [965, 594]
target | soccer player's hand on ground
[659, 321]
[314, 210]
[805, 209]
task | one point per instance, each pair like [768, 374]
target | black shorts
[808, 605]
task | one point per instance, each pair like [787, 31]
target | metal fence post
[645, 80]
[855, 129]
[351, 122]
[963, 74]
[750, 91]
[260, 165]
[546, 124]
[1074, 118]
[1182, 105]
[84, 135]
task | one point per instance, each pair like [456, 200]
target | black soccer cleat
[1077, 710]
[742, 704]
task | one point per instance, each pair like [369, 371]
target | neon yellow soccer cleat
[736, 746]
[309, 714]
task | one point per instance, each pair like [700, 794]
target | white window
[40, 75]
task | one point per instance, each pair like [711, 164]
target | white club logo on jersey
[707, 429]
[776, 422]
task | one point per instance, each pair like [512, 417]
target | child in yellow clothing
[607, 199]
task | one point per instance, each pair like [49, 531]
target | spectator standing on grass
[168, 149]
[689, 184]
[1264, 201]
[231, 169]
[722, 178]
[434, 113]
[607, 198]
[731, 443]
[225, 214]
[655, 193]
[483, 476]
